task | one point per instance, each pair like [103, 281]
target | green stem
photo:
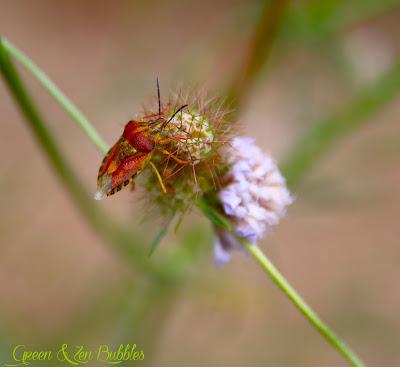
[319, 139]
[220, 221]
[128, 243]
[125, 241]
[301, 305]
[56, 93]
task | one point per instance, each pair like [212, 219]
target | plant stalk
[319, 139]
[125, 242]
[220, 221]
[270, 269]
[57, 94]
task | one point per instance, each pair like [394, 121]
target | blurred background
[339, 245]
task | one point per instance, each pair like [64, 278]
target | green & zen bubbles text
[75, 355]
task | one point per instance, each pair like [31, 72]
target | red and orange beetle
[133, 151]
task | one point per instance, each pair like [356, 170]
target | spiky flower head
[196, 133]
[193, 139]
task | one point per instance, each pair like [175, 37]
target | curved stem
[126, 242]
[329, 131]
[56, 93]
[301, 305]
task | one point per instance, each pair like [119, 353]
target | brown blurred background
[339, 245]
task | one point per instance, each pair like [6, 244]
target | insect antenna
[171, 118]
[159, 98]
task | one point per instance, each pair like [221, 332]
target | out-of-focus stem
[57, 94]
[301, 305]
[321, 138]
[260, 48]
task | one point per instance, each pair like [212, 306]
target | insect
[133, 152]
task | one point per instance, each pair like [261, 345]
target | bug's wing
[107, 167]
[109, 163]
[127, 170]
[119, 174]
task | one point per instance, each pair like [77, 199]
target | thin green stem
[319, 139]
[301, 305]
[335, 17]
[124, 241]
[57, 94]
[220, 221]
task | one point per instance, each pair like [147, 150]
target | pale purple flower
[224, 242]
[256, 197]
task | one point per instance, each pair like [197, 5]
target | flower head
[196, 135]
[194, 139]
[255, 195]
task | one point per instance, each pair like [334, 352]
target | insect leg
[176, 138]
[174, 157]
[159, 178]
